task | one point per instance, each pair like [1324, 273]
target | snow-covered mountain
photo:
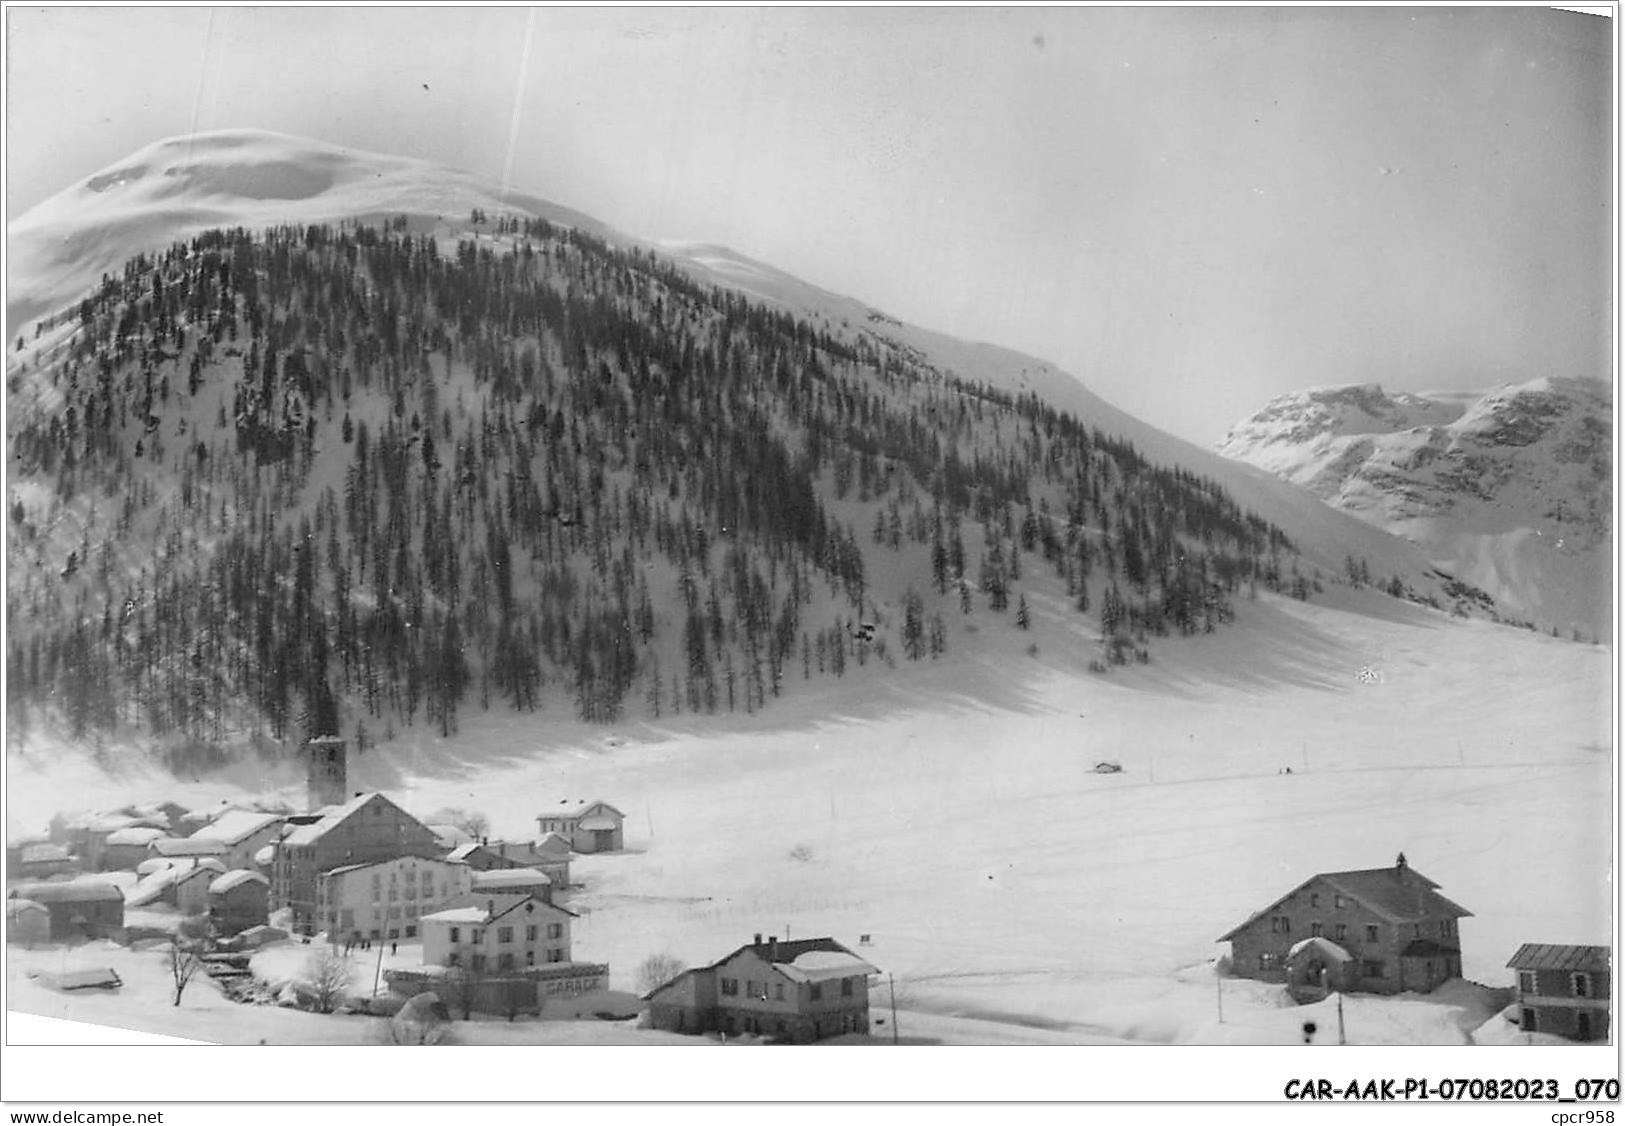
[1509, 490]
[175, 188]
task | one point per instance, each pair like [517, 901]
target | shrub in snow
[656, 970]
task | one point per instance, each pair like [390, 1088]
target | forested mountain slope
[352, 476]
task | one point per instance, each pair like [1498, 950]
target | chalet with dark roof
[805, 990]
[1564, 990]
[1380, 930]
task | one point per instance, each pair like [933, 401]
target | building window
[846, 987]
[730, 987]
[505, 962]
[815, 992]
[750, 989]
[411, 932]
[1581, 984]
[1341, 932]
[1314, 899]
[1337, 902]
[530, 957]
[456, 934]
[476, 936]
[504, 934]
[1373, 969]
[1526, 982]
[478, 963]
[453, 958]
[1267, 962]
[1371, 933]
[1316, 930]
[555, 930]
[530, 934]
[1529, 1022]
[778, 991]
[555, 955]
[1280, 924]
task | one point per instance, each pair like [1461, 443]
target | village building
[238, 900]
[87, 836]
[41, 861]
[593, 827]
[550, 856]
[497, 934]
[83, 908]
[183, 884]
[27, 923]
[126, 848]
[513, 881]
[1564, 990]
[384, 900]
[800, 990]
[1381, 930]
[243, 832]
[368, 827]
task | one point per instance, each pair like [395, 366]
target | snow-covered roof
[1322, 946]
[824, 965]
[265, 856]
[236, 825]
[463, 851]
[449, 836]
[187, 846]
[332, 816]
[458, 915]
[599, 821]
[46, 853]
[235, 878]
[15, 907]
[509, 877]
[579, 809]
[113, 822]
[85, 890]
[134, 835]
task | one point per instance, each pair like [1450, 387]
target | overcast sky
[1191, 209]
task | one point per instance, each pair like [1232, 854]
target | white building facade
[497, 934]
[385, 900]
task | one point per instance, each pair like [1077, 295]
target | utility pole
[893, 985]
[379, 969]
[1342, 1038]
[1218, 991]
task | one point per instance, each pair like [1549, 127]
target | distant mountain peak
[1510, 489]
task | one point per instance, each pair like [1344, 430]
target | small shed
[238, 900]
[27, 923]
[127, 848]
[89, 907]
